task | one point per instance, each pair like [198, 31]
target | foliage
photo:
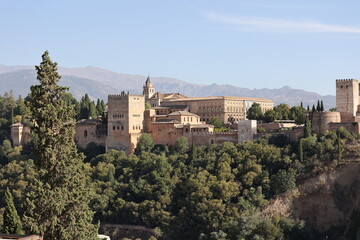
[12, 223]
[57, 206]
[216, 122]
[145, 143]
[255, 112]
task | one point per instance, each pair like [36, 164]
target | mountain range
[99, 83]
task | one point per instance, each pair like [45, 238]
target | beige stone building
[125, 121]
[347, 106]
[90, 130]
[227, 109]
[165, 129]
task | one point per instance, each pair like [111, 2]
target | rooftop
[219, 98]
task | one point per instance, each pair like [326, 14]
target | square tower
[347, 98]
[125, 121]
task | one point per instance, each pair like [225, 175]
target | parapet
[345, 80]
[120, 96]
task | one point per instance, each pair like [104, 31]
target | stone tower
[149, 89]
[125, 121]
[347, 98]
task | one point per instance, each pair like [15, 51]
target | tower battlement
[120, 96]
[345, 80]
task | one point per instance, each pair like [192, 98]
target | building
[347, 113]
[90, 130]
[125, 121]
[227, 109]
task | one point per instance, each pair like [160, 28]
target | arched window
[85, 133]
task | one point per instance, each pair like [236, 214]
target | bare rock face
[328, 200]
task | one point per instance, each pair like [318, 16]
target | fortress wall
[321, 120]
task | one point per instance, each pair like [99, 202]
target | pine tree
[12, 223]
[57, 206]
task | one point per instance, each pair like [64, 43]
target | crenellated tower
[125, 121]
[347, 98]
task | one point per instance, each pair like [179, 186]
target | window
[85, 133]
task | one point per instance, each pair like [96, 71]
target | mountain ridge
[99, 83]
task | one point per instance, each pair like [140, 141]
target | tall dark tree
[307, 128]
[318, 108]
[12, 223]
[57, 206]
[322, 106]
[313, 108]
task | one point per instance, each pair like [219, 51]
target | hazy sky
[248, 43]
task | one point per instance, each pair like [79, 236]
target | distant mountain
[99, 83]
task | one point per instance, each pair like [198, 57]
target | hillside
[98, 83]
[329, 200]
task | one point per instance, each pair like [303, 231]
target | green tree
[298, 114]
[12, 223]
[181, 145]
[322, 106]
[145, 143]
[270, 116]
[57, 206]
[216, 122]
[255, 112]
[318, 107]
[307, 128]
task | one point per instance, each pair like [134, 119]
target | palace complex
[166, 117]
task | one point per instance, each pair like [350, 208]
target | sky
[247, 43]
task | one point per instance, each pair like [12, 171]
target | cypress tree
[313, 108]
[308, 108]
[307, 128]
[318, 109]
[301, 151]
[322, 106]
[301, 105]
[12, 223]
[57, 205]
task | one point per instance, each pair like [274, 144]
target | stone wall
[321, 121]
[90, 130]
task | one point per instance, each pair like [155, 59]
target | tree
[322, 106]
[181, 145]
[12, 223]
[318, 107]
[145, 143]
[57, 206]
[307, 128]
[216, 122]
[255, 112]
